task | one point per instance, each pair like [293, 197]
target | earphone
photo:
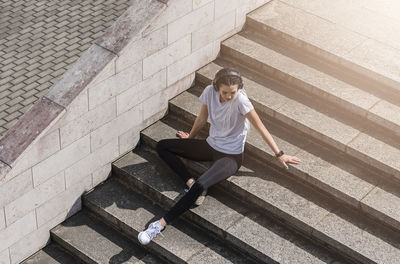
[225, 72]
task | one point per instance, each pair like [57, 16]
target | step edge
[380, 78]
[291, 80]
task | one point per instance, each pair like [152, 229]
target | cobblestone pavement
[39, 40]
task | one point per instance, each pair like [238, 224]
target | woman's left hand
[284, 159]
[182, 134]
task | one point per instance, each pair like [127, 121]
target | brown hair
[227, 76]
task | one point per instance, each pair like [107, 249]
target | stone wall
[64, 145]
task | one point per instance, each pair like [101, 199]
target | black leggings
[224, 166]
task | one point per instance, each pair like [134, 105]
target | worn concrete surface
[359, 31]
[51, 254]
[80, 232]
[133, 212]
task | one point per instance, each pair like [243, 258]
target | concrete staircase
[340, 205]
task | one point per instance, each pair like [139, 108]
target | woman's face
[227, 93]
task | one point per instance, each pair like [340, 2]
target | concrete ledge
[79, 75]
[128, 27]
[4, 169]
[27, 129]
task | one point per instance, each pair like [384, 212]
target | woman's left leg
[221, 169]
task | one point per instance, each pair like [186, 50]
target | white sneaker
[201, 198]
[151, 232]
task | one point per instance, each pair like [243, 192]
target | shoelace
[154, 230]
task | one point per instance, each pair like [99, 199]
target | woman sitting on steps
[226, 104]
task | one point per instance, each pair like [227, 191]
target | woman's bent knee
[197, 188]
[161, 145]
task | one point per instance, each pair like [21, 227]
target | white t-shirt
[227, 135]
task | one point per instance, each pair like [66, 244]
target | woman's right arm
[200, 121]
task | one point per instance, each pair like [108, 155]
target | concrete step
[365, 106]
[240, 227]
[130, 212]
[301, 208]
[94, 242]
[376, 151]
[52, 254]
[312, 35]
[334, 175]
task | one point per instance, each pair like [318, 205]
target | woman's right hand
[182, 134]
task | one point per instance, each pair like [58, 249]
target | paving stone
[31, 79]
[11, 123]
[40, 26]
[14, 101]
[3, 114]
[12, 116]
[14, 108]
[29, 101]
